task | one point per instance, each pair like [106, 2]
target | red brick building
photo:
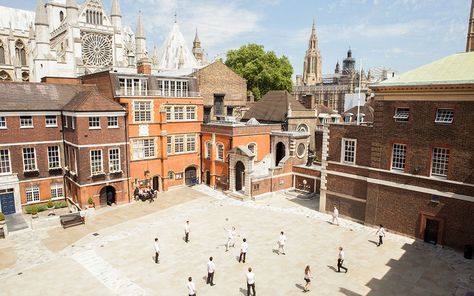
[412, 170]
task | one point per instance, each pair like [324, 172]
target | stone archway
[190, 176]
[239, 176]
[279, 153]
[107, 196]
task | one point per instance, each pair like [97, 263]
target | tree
[263, 70]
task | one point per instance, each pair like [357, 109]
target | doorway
[239, 176]
[156, 183]
[280, 153]
[208, 178]
[107, 196]
[431, 231]
[7, 202]
[190, 176]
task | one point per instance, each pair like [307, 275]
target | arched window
[170, 175]
[302, 128]
[220, 152]
[253, 147]
[207, 153]
[25, 76]
[20, 52]
[2, 53]
[101, 18]
[4, 76]
[61, 16]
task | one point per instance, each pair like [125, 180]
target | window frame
[111, 160]
[3, 122]
[400, 118]
[92, 163]
[343, 151]
[92, 120]
[116, 125]
[9, 167]
[58, 158]
[182, 143]
[136, 146]
[444, 122]
[55, 187]
[27, 126]
[218, 157]
[50, 117]
[188, 142]
[35, 169]
[392, 167]
[432, 164]
[32, 190]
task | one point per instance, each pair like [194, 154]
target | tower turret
[116, 15]
[312, 71]
[71, 11]
[140, 40]
[338, 68]
[197, 50]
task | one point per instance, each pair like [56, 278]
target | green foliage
[50, 204]
[2, 217]
[43, 207]
[90, 200]
[264, 70]
[60, 204]
[34, 210]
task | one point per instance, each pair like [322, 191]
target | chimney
[144, 66]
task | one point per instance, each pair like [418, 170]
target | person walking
[250, 282]
[281, 243]
[211, 268]
[340, 260]
[230, 238]
[381, 234]
[335, 216]
[186, 231]
[157, 251]
[307, 278]
[191, 287]
[243, 250]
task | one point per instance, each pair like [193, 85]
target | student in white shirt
[157, 251]
[381, 234]
[335, 216]
[243, 250]
[340, 260]
[191, 287]
[230, 238]
[211, 268]
[250, 282]
[307, 278]
[186, 231]
[281, 243]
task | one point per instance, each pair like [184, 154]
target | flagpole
[358, 103]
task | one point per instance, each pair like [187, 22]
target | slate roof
[27, 96]
[273, 107]
[366, 109]
[324, 109]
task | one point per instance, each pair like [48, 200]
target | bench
[2, 232]
[71, 220]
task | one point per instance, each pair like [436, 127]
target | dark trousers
[380, 240]
[192, 294]
[157, 255]
[339, 265]
[248, 289]
[186, 236]
[210, 278]
[242, 255]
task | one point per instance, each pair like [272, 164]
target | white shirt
[336, 212]
[243, 247]
[381, 231]
[211, 267]
[282, 239]
[340, 255]
[186, 228]
[231, 234]
[307, 275]
[250, 278]
[157, 247]
[191, 288]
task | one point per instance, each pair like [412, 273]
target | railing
[158, 93]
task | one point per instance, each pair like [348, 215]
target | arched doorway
[239, 176]
[156, 183]
[280, 153]
[107, 196]
[190, 176]
[208, 178]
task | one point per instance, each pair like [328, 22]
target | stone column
[324, 164]
[212, 158]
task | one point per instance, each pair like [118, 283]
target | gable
[94, 6]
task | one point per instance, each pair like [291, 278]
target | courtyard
[112, 254]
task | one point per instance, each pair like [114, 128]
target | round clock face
[96, 49]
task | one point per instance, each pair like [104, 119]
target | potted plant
[50, 207]
[2, 218]
[34, 212]
[90, 201]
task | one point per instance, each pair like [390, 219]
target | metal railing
[158, 93]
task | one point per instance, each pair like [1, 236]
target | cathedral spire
[470, 31]
[312, 71]
[140, 33]
[72, 11]
[196, 38]
[197, 50]
[40, 15]
[140, 40]
[116, 14]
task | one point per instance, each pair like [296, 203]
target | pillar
[212, 159]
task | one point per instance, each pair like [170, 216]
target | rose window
[96, 49]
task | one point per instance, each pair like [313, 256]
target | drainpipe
[200, 155]
[127, 153]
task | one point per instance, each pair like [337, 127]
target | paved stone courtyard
[118, 260]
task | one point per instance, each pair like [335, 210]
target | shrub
[60, 204]
[41, 208]
[2, 216]
[90, 200]
[50, 204]
[34, 210]
[28, 209]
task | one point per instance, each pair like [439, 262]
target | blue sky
[397, 34]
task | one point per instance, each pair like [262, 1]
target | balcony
[158, 93]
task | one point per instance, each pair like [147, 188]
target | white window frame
[177, 114]
[3, 122]
[34, 156]
[302, 126]
[343, 150]
[140, 146]
[397, 158]
[438, 164]
[94, 120]
[444, 118]
[34, 192]
[182, 143]
[5, 164]
[50, 157]
[402, 114]
[218, 156]
[191, 139]
[65, 121]
[138, 113]
[72, 122]
[114, 120]
[190, 112]
[22, 125]
[169, 145]
[208, 149]
[54, 188]
[55, 124]
[94, 163]
[169, 113]
[111, 161]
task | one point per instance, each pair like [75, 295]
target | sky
[394, 34]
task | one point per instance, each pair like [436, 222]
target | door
[208, 178]
[431, 231]
[156, 183]
[7, 201]
[107, 196]
[190, 176]
[239, 176]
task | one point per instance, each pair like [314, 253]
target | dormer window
[444, 116]
[402, 114]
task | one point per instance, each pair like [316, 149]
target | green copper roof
[454, 69]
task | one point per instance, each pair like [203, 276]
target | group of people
[144, 194]
[250, 276]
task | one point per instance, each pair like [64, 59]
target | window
[72, 122]
[348, 118]
[348, 151]
[439, 162]
[190, 143]
[96, 162]
[169, 145]
[208, 150]
[168, 113]
[444, 116]
[190, 112]
[252, 147]
[142, 111]
[53, 157]
[2, 53]
[114, 160]
[301, 150]
[173, 88]
[143, 148]
[5, 166]
[51, 121]
[218, 104]
[94, 122]
[170, 175]
[178, 176]
[399, 154]
[61, 16]
[26, 121]
[57, 190]
[32, 194]
[302, 128]
[133, 87]
[66, 119]
[3, 122]
[20, 52]
[220, 152]
[112, 121]
[29, 159]
[402, 114]
[178, 113]
[178, 144]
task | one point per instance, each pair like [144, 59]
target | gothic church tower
[312, 71]
[470, 30]
[197, 50]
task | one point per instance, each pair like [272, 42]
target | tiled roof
[366, 109]
[91, 100]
